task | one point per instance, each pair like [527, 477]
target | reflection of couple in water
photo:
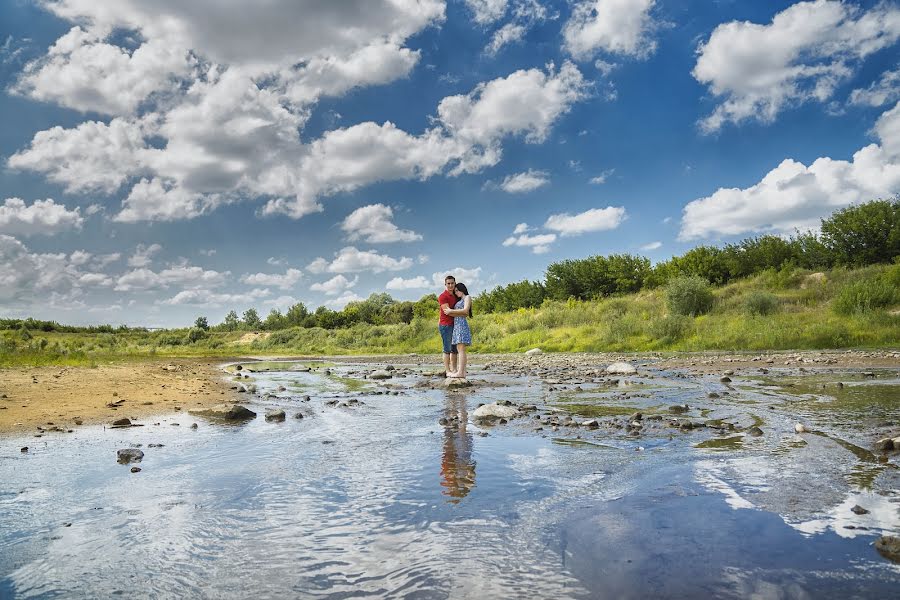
[457, 464]
[456, 309]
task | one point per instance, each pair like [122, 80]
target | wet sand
[63, 397]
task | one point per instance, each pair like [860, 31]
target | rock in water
[800, 428]
[380, 375]
[275, 414]
[228, 412]
[621, 368]
[489, 412]
[129, 455]
[121, 423]
[755, 431]
[884, 445]
[533, 352]
[457, 382]
[135, 469]
[859, 510]
[889, 547]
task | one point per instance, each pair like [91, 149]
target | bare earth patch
[64, 396]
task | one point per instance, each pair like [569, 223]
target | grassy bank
[776, 310]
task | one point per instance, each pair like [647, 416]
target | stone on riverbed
[228, 412]
[380, 375]
[489, 412]
[884, 445]
[457, 382]
[621, 368]
[889, 547]
[533, 352]
[275, 414]
[121, 423]
[129, 455]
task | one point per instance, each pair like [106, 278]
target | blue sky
[164, 160]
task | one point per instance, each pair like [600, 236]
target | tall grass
[777, 310]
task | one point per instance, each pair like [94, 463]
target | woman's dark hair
[461, 287]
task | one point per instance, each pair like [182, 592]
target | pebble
[135, 469]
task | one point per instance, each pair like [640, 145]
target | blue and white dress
[461, 332]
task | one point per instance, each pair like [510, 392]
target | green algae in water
[729, 443]
[352, 385]
[598, 410]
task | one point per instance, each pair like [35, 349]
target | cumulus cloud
[612, 26]
[286, 281]
[415, 283]
[203, 297]
[528, 181]
[143, 255]
[803, 55]
[335, 285]
[42, 217]
[343, 300]
[508, 34]
[373, 225]
[539, 244]
[595, 219]
[82, 72]
[521, 228]
[183, 275]
[485, 12]
[470, 277]
[884, 91]
[602, 177]
[352, 260]
[652, 246]
[795, 196]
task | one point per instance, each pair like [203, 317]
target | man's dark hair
[449, 277]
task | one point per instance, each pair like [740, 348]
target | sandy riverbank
[65, 396]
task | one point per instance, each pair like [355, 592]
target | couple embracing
[456, 308]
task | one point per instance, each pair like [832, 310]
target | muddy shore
[66, 397]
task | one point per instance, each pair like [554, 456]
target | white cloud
[602, 177]
[612, 26]
[652, 246]
[508, 34]
[207, 252]
[485, 12]
[154, 200]
[525, 182]
[92, 157]
[340, 302]
[803, 54]
[539, 244]
[79, 257]
[595, 219]
[795, 196]
[83, 73]
[470, 277]
[143, 255]
[521, 228]
[285, 282]
[282, 302]
[42, 217]
[183, 275]
[416, 283]
[373, 225]
[884, 91]
[352, 260]
[103, 260]
[203, 297]
[335, 285]
[276, 262]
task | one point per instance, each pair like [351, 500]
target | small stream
[379, 498]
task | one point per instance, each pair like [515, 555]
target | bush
[864, 296]
[671, 328]
[761, 303]
[689, 296]
[195, 335]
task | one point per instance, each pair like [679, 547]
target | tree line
[854, 236]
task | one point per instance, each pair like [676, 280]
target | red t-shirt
[450, 300]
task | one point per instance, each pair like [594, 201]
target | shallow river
[405, 495]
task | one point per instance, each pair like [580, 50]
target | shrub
[761, 303]
[689, 295]
[195, 335]
[671, 328]
[864, 296]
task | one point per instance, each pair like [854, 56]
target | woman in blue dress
[462, 335]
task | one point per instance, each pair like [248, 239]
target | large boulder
[490, 412]
[227, 412]
[533, 352]
[621, 368]
[275, 414]
[889, 547]
[382, 374]
[457, 382]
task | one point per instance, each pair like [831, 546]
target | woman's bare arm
[460, 312]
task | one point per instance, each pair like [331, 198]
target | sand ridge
[49, 397]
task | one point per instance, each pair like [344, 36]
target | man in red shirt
[445, 324]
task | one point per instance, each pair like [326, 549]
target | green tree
[201, 323]
[275, 320]
[864, 234]
[231, 321]
[296, 315]
[251, 319]
[426, 307]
